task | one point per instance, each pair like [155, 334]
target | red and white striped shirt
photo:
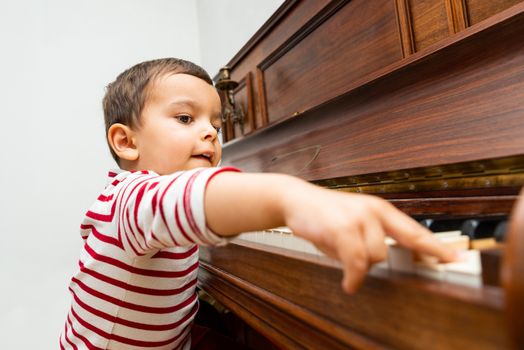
[135, 287]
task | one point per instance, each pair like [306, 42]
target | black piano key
[500, 231]
[426, 222]
[479, 228]
[442, 225]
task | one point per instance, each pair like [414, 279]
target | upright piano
[420, 102]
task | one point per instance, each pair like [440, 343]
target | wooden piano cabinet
[513, 274]
[418, 101]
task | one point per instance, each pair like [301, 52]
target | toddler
[137, 273]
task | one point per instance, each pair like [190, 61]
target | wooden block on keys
[483, 243]
[491, 260]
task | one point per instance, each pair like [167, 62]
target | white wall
[56, 57]
[226, 25]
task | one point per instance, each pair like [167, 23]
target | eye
[184, 118]
[217, 128]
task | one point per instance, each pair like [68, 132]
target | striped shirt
[135, 286]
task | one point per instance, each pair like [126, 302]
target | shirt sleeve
[157, 212]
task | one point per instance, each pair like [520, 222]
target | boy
[135, 287]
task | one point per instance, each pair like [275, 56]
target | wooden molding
[262, 96]
[405, 27]
[308, 28]
[456, 11]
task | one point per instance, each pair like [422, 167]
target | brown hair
[126, 96]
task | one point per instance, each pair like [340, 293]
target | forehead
[174, 87]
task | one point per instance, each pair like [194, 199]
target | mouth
[206, 156]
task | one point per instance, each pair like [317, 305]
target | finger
[410, 234]
[427, 244]
[373, 236]
[353, 256]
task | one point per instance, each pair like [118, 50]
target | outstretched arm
[348, 227]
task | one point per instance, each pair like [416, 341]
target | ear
[122, 141]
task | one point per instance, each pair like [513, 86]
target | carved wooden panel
[429, 22]
[244, 99]
[426, 22]
[479, 10]
[342, 44]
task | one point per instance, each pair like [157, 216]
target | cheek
[219, 155]
[182, 145]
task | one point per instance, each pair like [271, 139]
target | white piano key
[274, 239]
[310, 248]
[379, 268]
[467, 272]
[284, 229]
[440, 235]
[457, 242]
[319, 252]
[291, 241]
[282, 237]
[432, 271]
[464, 279]
[249, 236]
[443, 234]
[286, 240]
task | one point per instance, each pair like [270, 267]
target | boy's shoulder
[116, 176]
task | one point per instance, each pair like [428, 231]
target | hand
[351, 228]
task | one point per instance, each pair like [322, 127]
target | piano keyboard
[281, 237]
[467, 272]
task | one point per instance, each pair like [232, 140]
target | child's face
[179, 122]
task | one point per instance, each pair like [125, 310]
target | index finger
[410, 234]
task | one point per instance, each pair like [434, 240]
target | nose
[209, 132]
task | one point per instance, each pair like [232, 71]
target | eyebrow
[185, 101]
